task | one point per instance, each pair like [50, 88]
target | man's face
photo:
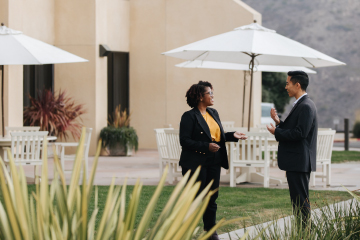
[291, 88]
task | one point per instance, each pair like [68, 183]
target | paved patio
[145, 165]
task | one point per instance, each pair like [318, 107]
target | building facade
[133, 34]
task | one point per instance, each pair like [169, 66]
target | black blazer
[195, 138]
[297, 137]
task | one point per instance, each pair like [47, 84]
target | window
[37, 78]
[118, 81]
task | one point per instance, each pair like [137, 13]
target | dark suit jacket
[297, 137]
[195, 138]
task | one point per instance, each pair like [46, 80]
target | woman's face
[208, 97]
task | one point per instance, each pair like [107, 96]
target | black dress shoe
[214, 236]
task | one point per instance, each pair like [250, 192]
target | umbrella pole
[243, 108]
[2, 99]
[251, 83]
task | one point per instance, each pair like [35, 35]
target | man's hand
[271, 128]
[213, 147]
[274, 116]
[240, 135]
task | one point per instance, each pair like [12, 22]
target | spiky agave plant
[57, 114]
[61, 212]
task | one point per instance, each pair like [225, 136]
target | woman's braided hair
[195, 92]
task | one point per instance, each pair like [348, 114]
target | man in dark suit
[297, 137]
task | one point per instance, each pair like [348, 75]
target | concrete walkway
[145, 165]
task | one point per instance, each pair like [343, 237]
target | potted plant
[57, 114]
[119, 139]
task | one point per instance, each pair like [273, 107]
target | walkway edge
[280, 223]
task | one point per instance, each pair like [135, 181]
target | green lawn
[258, 203]
[345, 156]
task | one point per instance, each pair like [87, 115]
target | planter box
[117, 150]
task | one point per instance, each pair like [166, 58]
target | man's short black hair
[195, 92]
[300, 77]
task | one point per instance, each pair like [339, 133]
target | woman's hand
[213, 147]
[240, 135]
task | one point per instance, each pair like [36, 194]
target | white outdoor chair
[324, 129]
[228, 124]
[174, 151]
[161, 145]
[325, 141]
[272, 148]
[239, 129]
[26, 149]
[262, 127]
[8, 130]
[60, 150]
[29, 129]
[252, 152]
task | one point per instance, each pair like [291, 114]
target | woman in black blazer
[203, 144]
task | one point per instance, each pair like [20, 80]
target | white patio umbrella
[250, 43]
[244, 67]
[19, 49]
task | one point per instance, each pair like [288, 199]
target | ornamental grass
[57, 114]
[331, 222]
[61, 212]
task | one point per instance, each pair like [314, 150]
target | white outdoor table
[249, 174]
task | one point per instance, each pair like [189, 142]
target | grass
[260, 204]
[345, 156]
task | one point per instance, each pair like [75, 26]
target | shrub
[124, 135]
[356, 130]
[57, 114]
[119, 131]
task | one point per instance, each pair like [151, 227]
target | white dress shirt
[299, 99]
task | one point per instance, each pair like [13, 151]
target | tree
[273, 90]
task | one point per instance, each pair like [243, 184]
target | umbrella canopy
[250, 43]
[19, 49]
[238, 45]
[245, 67]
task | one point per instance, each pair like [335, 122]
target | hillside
[332, 27]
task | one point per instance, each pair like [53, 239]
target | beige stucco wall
[75, 32]
[112, 29]
[4, 10]
[35, 19]
[80, 27]
[157, 87]
[145, 28]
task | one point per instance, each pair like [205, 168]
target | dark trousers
[208, 172]
[299, 193]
